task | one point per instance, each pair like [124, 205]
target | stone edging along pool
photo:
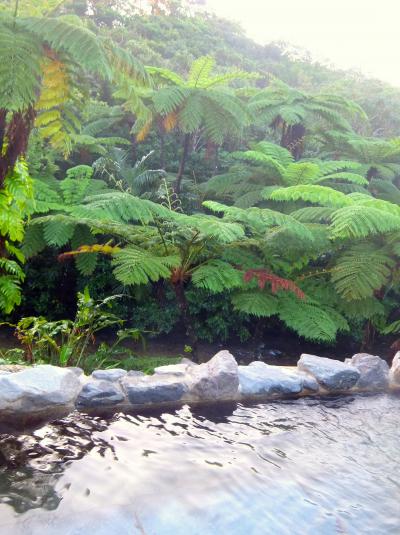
[42, 393]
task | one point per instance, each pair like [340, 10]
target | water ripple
[307, 466]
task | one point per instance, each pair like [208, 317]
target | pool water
[296, 467]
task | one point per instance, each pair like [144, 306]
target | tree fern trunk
[16, 134]
[3, 114]
[368, 336]
[186, 317]
[185, 153]
[293, 139]
[162, 148]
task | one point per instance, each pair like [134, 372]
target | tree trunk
[368, 336]
[293, 139]
[162, 148]
[216, 161]
[186, 318]
[16, 135]
[185, 153]
[14, 138]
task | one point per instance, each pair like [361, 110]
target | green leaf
[138, 266]
[255, 303]
[216, 276]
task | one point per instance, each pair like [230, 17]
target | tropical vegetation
[219, 188]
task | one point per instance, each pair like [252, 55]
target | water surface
[295, 467]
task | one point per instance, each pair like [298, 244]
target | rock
[40, 389]
[162, 388]
[179, 370]
[216, 379]
[113, 374]
[259, 378]
[188, 362]
[333, 375]
[135, 373]
[12, 368]
[99, 393]
[77, 371]
[395, 370]
[309, 383]
[374, 371]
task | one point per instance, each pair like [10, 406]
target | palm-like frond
[360, 271]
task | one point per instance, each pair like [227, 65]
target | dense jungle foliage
[219, 187]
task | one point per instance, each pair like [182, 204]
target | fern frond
[200, 70]
[19, 67]
[138, 266]
[57, 233]
[84, 47]
[362, 309]
[10, 293]
[313, 214]
[300, 173]
[359, 221]
[255, 303]
[309, 320]
[34, 241]
[348, 177]
[216, 276]
[312, 193]
[360, 271]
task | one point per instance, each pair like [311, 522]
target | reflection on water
[302, 466]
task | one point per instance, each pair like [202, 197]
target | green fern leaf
[216, 276]
[360, 271]
[137, 266]
[312, 193]
[255, 303]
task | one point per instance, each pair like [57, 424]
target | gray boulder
[333, 375]
[145, 390]
[374, 371]
[259, 378]
[395, 371]
[99, 393]
[216, 379]
[38, 390]
[113, 374]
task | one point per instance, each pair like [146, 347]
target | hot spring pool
[295, 467]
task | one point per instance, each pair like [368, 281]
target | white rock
[154, 389]
[100, 393]
[179, 370]
[333, 375]
[259, 378]
[395, 371]
[374, 371]
[38, 388]
[216, 379]
[113, 374]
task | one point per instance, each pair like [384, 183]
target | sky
[352, 34]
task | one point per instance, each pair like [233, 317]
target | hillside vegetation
[219, 187]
